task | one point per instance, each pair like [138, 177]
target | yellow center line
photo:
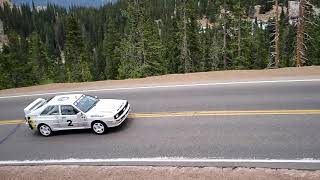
[13, 122]
[225, 113]
[204, 113]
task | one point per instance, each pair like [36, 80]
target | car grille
[121, 111]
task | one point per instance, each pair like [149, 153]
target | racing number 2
[70, 123]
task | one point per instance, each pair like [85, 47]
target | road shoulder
[155, 173]
[309, 72]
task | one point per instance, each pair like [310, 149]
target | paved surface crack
[10, 134]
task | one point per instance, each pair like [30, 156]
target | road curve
[254, 136]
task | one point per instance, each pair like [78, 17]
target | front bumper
[120, 120]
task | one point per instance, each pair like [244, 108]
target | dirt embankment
[154, 173]
[215, 76]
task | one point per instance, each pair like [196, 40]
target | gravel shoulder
[154, 173]
[214, 76]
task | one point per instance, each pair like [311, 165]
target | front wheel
[45, 130]
[99, 127]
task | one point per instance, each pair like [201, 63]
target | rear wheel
[45, 130]
[99, 127]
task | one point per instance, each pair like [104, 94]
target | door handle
[64, 117]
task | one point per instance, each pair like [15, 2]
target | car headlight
[116, 116]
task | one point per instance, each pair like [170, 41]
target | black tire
[99, 127]
[44, 130]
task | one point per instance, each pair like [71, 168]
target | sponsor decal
[94, 116]
[32, 123]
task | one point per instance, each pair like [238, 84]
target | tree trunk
[224, 36]
[185, 60]
[165, 9]
[175, 8]
[277, 36]
[208, 5]
[300, 34]
[239, 33]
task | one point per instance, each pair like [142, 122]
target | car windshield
[85, 103]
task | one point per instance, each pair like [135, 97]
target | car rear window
[50, 110]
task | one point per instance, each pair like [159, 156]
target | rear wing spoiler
[34, 105]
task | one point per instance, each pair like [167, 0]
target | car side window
[50, 110]
[68, 110]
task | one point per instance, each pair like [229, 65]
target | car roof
[64, 99]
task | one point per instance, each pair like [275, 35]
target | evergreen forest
[140, 38]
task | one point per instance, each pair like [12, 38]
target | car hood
[107, 107]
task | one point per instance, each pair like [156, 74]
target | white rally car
[75, 111]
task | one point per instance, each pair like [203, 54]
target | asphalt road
[224, 137]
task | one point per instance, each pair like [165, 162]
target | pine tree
[287, 41]
[314, 42]
[300, 51]
[85, 70]
[193, 37]
[111, 45]
[311, 35]
[277, 35]
[35, 57]
[131, 60]
[16, 61]
[238, 35]
[214, 51]
[225, 35]
[74, 47]
[141, 49]
[185, 58]
[172, 46]
[260, 49]
[5, 81]
[154, 63]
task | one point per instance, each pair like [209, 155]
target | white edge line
[166, 86]
[158, 160]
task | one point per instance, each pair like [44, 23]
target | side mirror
[80, 115]
[96, 97]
